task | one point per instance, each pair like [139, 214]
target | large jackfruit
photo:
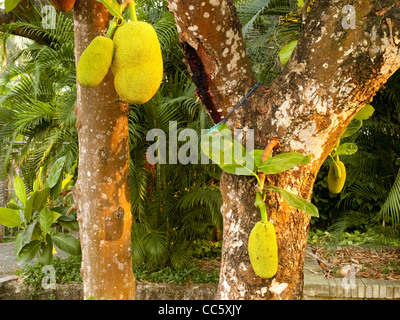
[137, 63]
[336, 177]
[263, 250]
[95, 62]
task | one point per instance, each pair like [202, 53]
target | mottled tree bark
[101, 192]
[332, 73]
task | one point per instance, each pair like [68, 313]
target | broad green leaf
[365, 113]
[113, 7]
[10, 5]
[28, 252]
[41, 199]
[226, 152]
[10, 217]
[256, 154]
[29, 232]
[46, 251]
[352, 128]
[55, 215]
[69, 225]
[18, 243]
[55, 172]
[300, 3]
[29, 207]
[19, 188]
[286, 52]
[45, 220]
[55, 191]
[63, 214]
[283, 162]
[296, 201]
[67, 243]
[346, 149]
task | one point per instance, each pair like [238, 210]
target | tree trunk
[101, 192]
[332, 73]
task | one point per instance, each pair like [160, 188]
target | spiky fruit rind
[137, 63]
[263, 250]
[95, 62]
[63, 5]
[335, 183]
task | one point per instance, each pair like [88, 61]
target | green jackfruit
[336, 177]
[95, 62]
[263, 250]
[137, 63]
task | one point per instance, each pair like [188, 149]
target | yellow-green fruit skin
[263, 250]
[95, 62]
[335, 184]
[137, 63]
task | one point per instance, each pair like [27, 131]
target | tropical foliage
[38, 94]
[371, 198]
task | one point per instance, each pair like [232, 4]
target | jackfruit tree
[341, 59]
[335, 69]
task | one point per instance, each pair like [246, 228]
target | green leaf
[113, 7]
[67, 243]
[10, 217]
[10, 5]
[296, 201]
[41, 199]
[227, 153]
[18, 243]
[365, 113]
[69, 225]
[63, 214]
[256, 154]
[286, 52]
[55, 172]
[283, 162]
[29, 207]
[45, 219]
[19, 188]
[346, 149]
[352, 128]
[300, 3]
[28, 252]
[55, 191]
[29, 232]
[46, 251]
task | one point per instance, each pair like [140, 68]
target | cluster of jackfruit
[336, 176]
[134, 56]
[63, 5]
[263, 249]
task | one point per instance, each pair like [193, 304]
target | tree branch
[211, 36]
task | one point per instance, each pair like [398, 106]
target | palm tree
[37, 124]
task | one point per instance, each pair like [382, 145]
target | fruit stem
[132, 11]
[273, 143]
[112, 27]
[260, 204]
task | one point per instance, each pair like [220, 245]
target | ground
[379, 263]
